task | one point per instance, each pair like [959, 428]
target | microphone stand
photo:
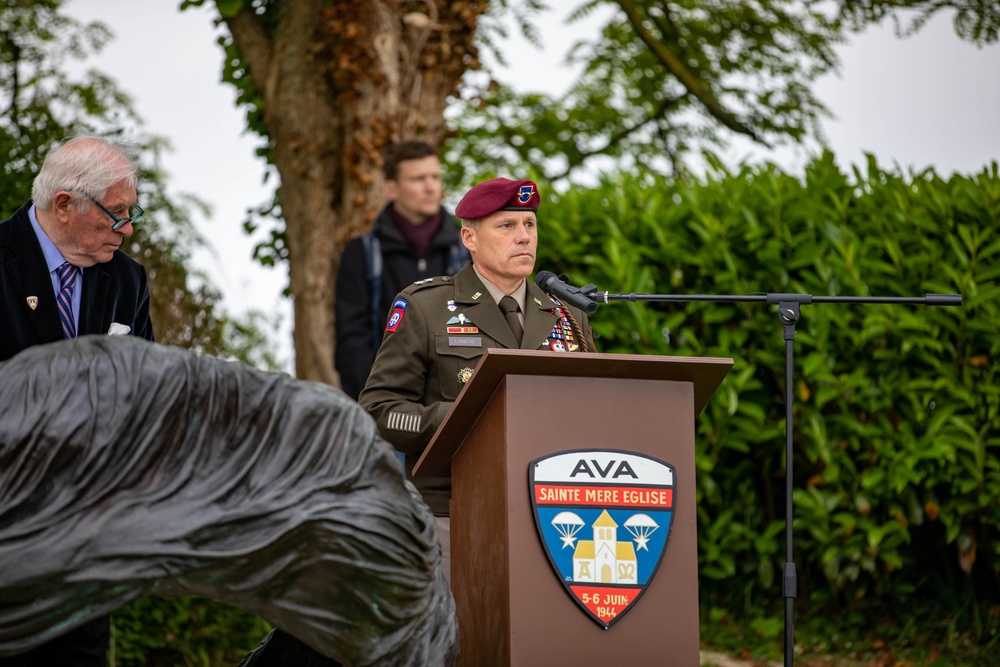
[788, 315]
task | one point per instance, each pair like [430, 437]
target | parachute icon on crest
[641, 526]
[568, 524]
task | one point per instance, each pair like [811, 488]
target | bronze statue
[129, 468]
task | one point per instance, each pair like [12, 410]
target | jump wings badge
[604, 518]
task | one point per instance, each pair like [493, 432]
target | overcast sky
[929, 100]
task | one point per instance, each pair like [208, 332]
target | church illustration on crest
[604, 559]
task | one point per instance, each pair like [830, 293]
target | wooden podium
[521, 405]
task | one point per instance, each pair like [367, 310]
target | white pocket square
[119, 329]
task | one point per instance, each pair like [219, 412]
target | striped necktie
[67, 280]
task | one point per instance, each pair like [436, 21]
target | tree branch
[620, 136]
[257, 48]
[687, 79]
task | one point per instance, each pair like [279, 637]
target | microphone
[553, 284]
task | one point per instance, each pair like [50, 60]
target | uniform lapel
[481, 309]
[539, 317]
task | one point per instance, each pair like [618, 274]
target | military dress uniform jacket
[437, 331]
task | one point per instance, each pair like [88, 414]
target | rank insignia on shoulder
[398, 310]
[423, 282]
[464, 375]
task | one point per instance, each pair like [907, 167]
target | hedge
[896, 443]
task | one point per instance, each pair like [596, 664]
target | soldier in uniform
[438, 328]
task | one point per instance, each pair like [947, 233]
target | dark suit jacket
[115, 291]
[355, 350]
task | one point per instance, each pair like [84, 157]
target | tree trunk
[340, 82]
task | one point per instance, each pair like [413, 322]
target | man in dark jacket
[412, 239]
[62, 275]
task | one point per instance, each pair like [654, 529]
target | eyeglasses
[117, 222]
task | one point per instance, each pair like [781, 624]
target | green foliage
[977, 22]
[665, 79]
[191, 631]
[39, 103]
[897, 446]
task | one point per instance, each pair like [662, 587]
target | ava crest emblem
[604, 519]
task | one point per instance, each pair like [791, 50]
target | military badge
[464, 375]
[525, 193]
[563, 329]
[32, 302]
[451, 306]
[460, 324]
[604, 519]
[557, 346]
[396, 316]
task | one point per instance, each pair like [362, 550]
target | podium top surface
[705, 373]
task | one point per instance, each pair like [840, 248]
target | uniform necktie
[509, 307]
[67, 280]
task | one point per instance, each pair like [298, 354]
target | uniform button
[445, 278]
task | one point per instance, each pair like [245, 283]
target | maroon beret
[499, 194]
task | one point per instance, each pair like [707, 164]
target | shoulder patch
[398, 311]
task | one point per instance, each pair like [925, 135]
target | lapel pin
[32, 302]
[477, 295]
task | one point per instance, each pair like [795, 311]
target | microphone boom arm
[927, 300]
